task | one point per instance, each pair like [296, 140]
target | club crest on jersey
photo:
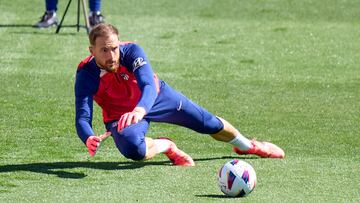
[124, 76]
[138, 63]
[114, 124]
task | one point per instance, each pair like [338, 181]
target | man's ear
[91, 49]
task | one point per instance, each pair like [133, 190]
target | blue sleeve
[84, 105]
[140, 65]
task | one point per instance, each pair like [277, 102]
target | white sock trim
[52, 12]
[91, 13]
[241, 142]
[162, 145]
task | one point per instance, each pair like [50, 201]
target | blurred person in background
[49, 18]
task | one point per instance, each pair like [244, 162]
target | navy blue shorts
[170, 107]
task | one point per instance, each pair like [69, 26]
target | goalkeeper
[119, 78]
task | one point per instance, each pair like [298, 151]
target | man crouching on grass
[119, 77]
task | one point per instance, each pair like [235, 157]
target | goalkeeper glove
[92, 143]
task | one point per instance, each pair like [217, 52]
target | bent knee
[134, 152]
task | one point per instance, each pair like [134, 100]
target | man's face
[106, 52]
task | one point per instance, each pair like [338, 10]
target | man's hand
[92, 143]
[131, 118]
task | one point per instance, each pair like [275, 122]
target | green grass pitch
[285, 71]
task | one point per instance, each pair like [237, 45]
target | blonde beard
[112, 69]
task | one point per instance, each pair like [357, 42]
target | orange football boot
[263, 149]
[178, 157]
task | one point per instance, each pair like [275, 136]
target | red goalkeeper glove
[92, 143]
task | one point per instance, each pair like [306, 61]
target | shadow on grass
[15, 25]
[58, 168]
[40, 31]
[216, 196]
[226, 157]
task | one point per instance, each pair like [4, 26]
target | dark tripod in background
[87, 24]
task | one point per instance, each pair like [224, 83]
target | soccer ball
[237, 178]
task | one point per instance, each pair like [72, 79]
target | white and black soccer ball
[237, 178]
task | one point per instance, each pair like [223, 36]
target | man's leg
[49, 17]
[51, 5]
[95, 16]
[242, 145]
[230, 134]
[133, 144]
[169, 148]
[131, 140]
[173, 107]
[95, 5]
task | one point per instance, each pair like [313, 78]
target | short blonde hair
[102, 30]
